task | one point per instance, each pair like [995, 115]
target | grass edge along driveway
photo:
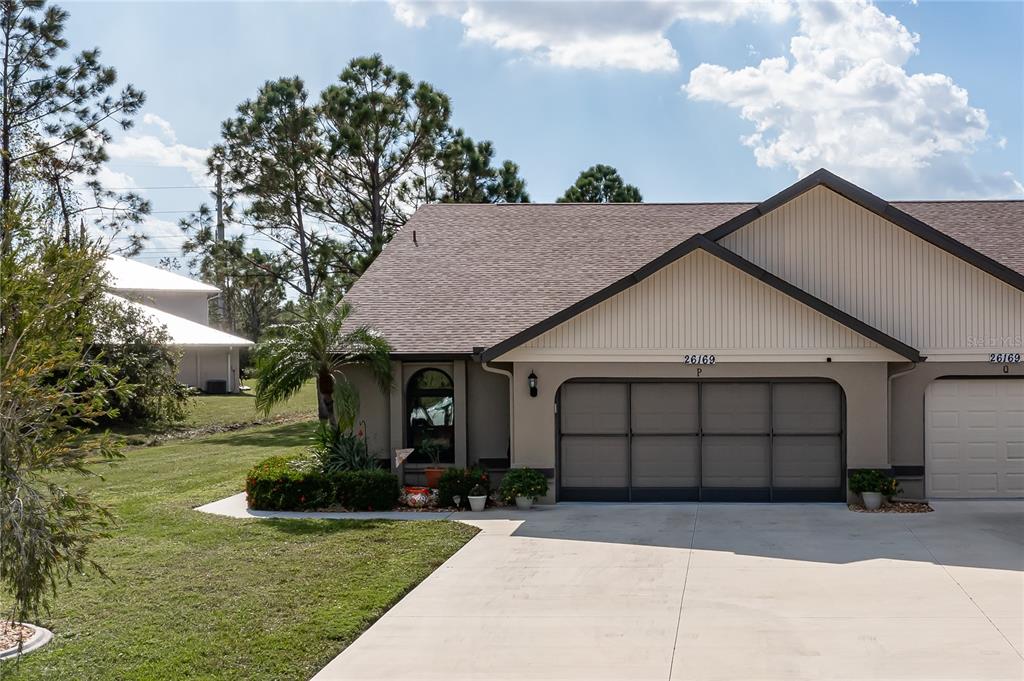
[201, 596]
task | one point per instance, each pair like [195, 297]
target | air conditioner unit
[217, 387]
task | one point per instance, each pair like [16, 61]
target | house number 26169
[1005, 357]
[698, 359]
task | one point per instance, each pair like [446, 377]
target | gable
[700, 304]
[877, 271]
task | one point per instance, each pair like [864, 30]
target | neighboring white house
[180, 304]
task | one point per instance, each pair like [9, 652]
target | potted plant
[433, 449]
[478, 497]
[872, 485]
[890, 488]
[457, 484]
[523, 485]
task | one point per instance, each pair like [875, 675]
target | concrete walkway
[689, 591]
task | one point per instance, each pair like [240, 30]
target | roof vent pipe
[414, 242]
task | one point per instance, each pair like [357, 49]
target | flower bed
[896, 507]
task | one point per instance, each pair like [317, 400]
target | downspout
[888, 414]
[511, 409]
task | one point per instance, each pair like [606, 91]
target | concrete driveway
[690, 591]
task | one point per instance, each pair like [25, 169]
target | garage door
[678, 441]
[974, 438]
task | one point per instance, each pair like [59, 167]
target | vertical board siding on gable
[883, 275]
[700, 303]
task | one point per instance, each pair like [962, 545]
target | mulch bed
[11, 634]
[896, 507]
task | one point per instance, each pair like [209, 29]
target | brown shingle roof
[478, 274]
[993, 228]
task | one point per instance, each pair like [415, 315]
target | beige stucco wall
[373, 410]
[864, 385]
[885, 276]
[487, 397]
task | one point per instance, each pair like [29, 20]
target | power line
[178, 186]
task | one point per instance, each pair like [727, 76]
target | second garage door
[727, 441]
[974, 438]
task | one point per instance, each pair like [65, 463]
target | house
[209, 356]
[712, 351]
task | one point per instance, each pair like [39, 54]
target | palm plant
[315, 346]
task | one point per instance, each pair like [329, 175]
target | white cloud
[111, 179]
[843, 99]
[161, 149]
[165, 128]
[592, 35]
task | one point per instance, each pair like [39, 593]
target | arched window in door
[430, 415]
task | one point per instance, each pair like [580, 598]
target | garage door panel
[973, 440]
[806, 408]
[594, 408]
[664, 408]
[981, 420]
[735, 461]
[1015, 451]
[944, 419]
[661, 461]
[1014, 418]
[982, 484]
[594, 461]
[735, 408]
[808, 461]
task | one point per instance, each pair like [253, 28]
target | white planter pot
[524, 503]
[872, 500]
[477, 503]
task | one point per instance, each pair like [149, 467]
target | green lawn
[210, 410]
[223, 410]
[199, 596]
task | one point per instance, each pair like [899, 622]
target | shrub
[283, 483]
[336, 450]
[873, 480]
[366, 490]
[131, 348]
[523, 482]
[460, 481]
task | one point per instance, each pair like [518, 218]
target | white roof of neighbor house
[185, 331]
[132, 275]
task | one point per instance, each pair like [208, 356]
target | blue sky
[910, 100]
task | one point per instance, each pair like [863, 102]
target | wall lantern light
[531, 380]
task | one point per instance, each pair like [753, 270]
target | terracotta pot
[433, 476]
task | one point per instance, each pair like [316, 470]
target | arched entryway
[430, 415]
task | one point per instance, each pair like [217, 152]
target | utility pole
[220, 206]
[219, 238]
